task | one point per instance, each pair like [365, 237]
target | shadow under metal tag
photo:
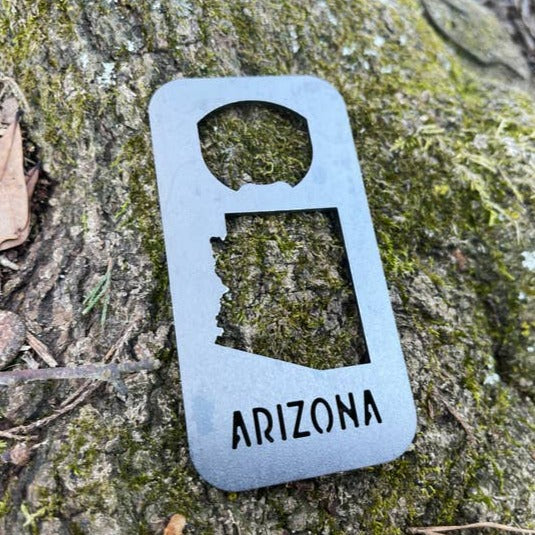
[252, 420]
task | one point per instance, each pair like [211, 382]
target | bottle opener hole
[255, 143]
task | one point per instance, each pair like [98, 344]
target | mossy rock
[447, 159]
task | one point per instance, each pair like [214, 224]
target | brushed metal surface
[218, 381]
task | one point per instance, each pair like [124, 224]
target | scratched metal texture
[217, 380]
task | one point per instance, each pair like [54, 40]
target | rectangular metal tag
[252, 420]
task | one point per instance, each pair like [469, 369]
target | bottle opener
[252, 420]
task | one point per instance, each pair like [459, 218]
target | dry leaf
[176, 525]
[16, 189]
[31, 180]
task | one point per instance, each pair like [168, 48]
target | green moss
[255, 143]
[432, 182]
[5, 504]
[292, 298]
[143, 215]
[144, 469]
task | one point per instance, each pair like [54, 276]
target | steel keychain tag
[254, 421]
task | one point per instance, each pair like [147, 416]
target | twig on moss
[5, 262]
[102, 372]
[64, 409]
[128, 367]
[41, 349]
[74, 400]
[467, 428]
[13, 436]
[108, 357]
[435, 530]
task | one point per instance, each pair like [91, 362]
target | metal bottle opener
[252, 420]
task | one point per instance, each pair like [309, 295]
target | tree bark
[447, 152]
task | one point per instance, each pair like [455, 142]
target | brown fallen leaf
[31, 180]
[16, 189]
[176, 525]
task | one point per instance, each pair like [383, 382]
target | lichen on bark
[447, 159]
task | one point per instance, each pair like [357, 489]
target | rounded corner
[317, 79]
[408, 438]
[158, 94]
[411, 433]
[325, 85]
[214, 481]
